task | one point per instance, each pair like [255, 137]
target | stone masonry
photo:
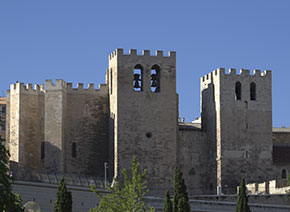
[55, 128]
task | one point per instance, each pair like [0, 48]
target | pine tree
[63, 201]
[242, 202]
[9, 201]
[180, 199]
[168, 203]
[126, 196]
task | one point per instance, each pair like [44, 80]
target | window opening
[253, 91]
[284, 174]
[3, 126]
[42, 151]
[155, 79]
[238, 91]
[74, 150]
[138, 78]
[4, 110]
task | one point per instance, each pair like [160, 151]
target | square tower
[144, 113]
[237, 117]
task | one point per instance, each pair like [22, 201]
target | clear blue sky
[71, 40]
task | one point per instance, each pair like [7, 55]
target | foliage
[127, 196]
[242, 201]
[180, 199]
[9, 201]
[288, 180]
[63, 201]
[168, 203]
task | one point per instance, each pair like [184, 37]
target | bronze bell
[136, 84]
[154, 80]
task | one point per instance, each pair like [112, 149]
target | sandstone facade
[54, 128]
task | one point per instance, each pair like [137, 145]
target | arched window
[74, 150]
[155, 78]
[238, 91]
[138, 78]
[253, 91]
[284, 174]
[42, 150]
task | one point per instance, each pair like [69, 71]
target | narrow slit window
[74, 150]
[155, 79]
[42, 151]
[284, 174]
[253, 91]
[138, 78]
[238, 91]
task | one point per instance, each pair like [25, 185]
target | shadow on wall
[208, 116]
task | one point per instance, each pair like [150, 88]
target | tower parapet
[145, 53]
[233, 72]
[28, 88]
[67, 86]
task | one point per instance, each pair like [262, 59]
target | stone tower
[237, 117]
[144, 111]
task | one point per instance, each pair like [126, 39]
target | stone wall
[243, 126]
[3, 117]
[145, 122]
[25, 125]
[86, 124]
[44, 123]
[193, 158]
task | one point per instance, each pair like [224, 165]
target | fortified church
[55, 128]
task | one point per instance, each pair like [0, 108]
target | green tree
[180, 199]
[63, 201]
[9, 201]
[242, 201]
[168, 203]
[126, 196]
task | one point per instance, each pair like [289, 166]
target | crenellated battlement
[27, 88]
[233, 72]
[145, 53]
[67, 86]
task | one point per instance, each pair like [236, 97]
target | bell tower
[143, 113]
[237, 117]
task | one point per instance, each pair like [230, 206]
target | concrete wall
[84, 199]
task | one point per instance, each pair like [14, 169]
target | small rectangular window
[74, 150]
[3, 126]
[42, 151]
[3, 109]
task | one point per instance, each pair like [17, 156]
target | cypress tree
[63, 201]
[168, 203]
[180, 199]
[242, 201]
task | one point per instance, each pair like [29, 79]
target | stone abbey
[55, 128]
